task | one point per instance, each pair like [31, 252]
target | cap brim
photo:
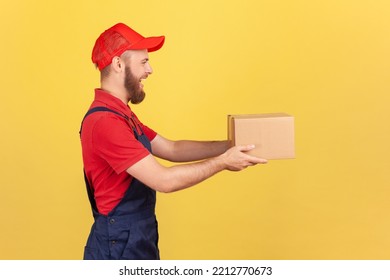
[151, 44]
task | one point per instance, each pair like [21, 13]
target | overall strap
[104, 109]
[133, 124]
[91, 196]
[101, 109]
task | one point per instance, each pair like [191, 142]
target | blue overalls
[129, 231]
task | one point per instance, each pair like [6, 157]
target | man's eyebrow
[145, 59]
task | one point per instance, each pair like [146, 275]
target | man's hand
[235, 158]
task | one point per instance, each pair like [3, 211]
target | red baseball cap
[118, 39]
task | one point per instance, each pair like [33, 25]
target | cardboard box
[272, 134]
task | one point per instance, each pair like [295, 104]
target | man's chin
[138, 98]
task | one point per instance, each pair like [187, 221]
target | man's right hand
[236, 159]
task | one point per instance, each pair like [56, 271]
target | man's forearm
[184, 150]
[180, 177]
[170, 179]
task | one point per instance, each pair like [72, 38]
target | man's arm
[178, 177]
[185, 150]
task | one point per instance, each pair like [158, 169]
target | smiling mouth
[141, 82]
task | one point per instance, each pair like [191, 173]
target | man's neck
[119, 93]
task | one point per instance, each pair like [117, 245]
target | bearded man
[120, 169]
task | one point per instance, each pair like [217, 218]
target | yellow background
[325, 62]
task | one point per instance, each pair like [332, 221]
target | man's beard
[132, 85]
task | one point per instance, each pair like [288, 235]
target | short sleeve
[114, 141]
[150, 133]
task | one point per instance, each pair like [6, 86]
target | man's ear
[117, 64]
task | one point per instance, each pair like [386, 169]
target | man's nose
[149, 69]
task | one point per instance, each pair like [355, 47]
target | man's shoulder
[106, 119]
[104, 122]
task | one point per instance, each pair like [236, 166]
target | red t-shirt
[109, 148]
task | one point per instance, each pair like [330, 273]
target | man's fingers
[252, 159]
[255, 160]
[246, 148]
